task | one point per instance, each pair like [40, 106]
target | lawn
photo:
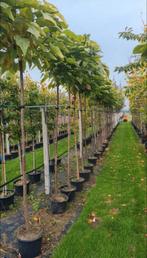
[119, 204]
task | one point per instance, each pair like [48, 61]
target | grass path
[119, 202]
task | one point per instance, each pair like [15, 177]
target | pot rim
[7, 196]
[24, 239]
[72, 188]
[75, 179]
[53, 198]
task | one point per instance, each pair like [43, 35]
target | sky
[103, 19]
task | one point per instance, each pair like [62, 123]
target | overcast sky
[103, 19]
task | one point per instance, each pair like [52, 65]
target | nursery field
[113, 221]
[91, 166]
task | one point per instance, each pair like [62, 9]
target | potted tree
[25, 42]
[68, 189]
[33, 123]
[6, 196]
[58, 200]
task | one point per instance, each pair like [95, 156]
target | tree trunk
[80, 130]
[56, 141]
[7, 143]
[25, 203]
[69, 135]
[75, 141]
[94, 127]
[39, 136]
[85, 127]
[93, 143]
[19, 154]
[34, 156]
[4, 180]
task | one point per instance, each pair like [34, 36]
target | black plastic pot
[51, 166]
[34, 177]
[69, 191]
[92, 160]
[89, 167]
[6, 200]
[7, 156]
[78, 183]
[97, 154]
[85, 174]
[59, 203]
[28, 149]
[30, 248]
[14, 154]
[38, 145]
[19, 188]
[105, 144]
[101, 150]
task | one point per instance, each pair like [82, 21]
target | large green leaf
[23, 43]
[56, 51]
[139, 49]
[51, 56]
[7, 10]
[34, 29]
[48, 17]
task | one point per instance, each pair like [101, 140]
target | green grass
[12, 166]
[119, 200]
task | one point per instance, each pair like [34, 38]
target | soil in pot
[89, 167]
[58, 203]
[34, 177]
[6, 199]
[78, 183]
[85, 174]
[69, 191]
[29, 243]
[92, 160]
[19, 187]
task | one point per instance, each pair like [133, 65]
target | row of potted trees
[64, 58]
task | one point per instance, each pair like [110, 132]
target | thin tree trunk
[75, 142]
[94, 127]
[80, 130]
[56, 142]
[85, 127]
[33, 152]
[25, 203]
[39, 136]
[69, 135]
[3, 158]
[7, 143]
[19, 154]
[93, 146]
